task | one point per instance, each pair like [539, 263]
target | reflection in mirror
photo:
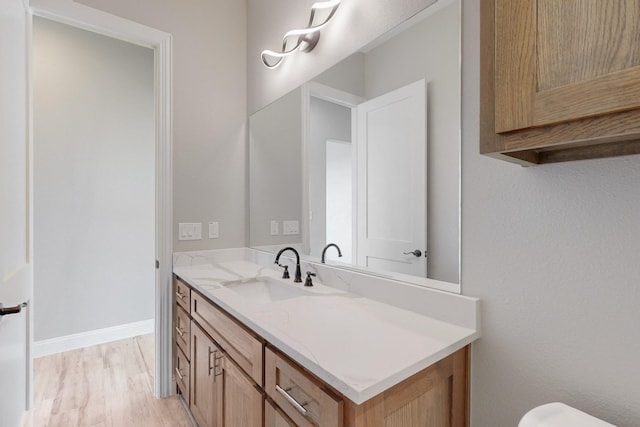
[366, 156]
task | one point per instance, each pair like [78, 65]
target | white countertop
[359, 346]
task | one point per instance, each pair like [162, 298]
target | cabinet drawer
[303, 399]
[244, 348]
[182, 294]
[182, 330]
[182, 372]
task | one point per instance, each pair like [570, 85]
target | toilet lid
[560, 415]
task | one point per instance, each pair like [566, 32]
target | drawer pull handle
[179, 374]
[180, 295]
[179, 331]
[300, 408]
[211, 367]
[216, 368]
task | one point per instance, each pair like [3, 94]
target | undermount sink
[264, 290]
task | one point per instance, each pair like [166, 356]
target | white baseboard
[87, 339]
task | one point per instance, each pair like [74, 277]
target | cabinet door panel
[242, 402]
[203, 386]
[274, 417]
[562, 60]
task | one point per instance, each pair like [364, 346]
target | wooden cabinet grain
[221, 394]
[274, 417]
[242, 402]
[245, 349]
[560, 79]
[181, 339]
[304, 400]
[206, 401]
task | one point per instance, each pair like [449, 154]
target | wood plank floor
[108, 385]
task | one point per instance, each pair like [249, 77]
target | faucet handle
[285, 273]
[308, 281]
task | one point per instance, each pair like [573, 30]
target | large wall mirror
[367, 156]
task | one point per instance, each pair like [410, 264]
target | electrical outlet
[189, 231]
[290, 228]
[214, 230]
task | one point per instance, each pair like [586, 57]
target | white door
[16, 272]
[392, 181]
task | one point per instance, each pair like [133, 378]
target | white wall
[94, 181]
[553, 251]
[209, 110]
[554, 254]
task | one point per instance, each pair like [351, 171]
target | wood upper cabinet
[560, 79]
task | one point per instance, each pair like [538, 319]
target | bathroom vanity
[253, 349]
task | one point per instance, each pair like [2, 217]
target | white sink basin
[264, 290]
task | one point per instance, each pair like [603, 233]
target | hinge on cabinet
[157, 264]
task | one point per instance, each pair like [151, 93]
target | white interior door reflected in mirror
[392, 183]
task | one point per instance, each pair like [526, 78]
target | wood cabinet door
[204, 384]
[242, 403]
[564, 60]
[274, 417]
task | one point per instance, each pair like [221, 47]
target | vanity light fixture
[305, 38]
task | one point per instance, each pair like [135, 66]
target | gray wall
[554, 254]
[209, 110]
[276, 169]
[94, 188]
[326, 121]
[552, 251]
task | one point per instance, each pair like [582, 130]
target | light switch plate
[290, 228]
[189, 231]
[275, 228]
[214, 230]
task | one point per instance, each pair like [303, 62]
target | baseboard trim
[89, 338]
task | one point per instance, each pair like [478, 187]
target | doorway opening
[94, 188]
[83, 17]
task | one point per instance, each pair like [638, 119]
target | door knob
[11, 310]
[417, 253]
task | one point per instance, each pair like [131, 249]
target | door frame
[316, 90]
[90, 19]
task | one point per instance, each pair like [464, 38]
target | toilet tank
[560, 415]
